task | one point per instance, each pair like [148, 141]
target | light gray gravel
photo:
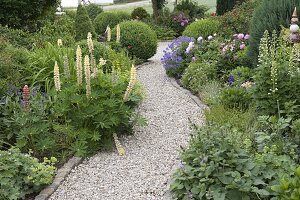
[151, 153]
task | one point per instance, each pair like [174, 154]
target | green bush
[236, 97]
[197, 74]
[110, 19]
[224, 6]
[162, 32]
[202, 28]
[191, 8]
[138, 38]
[139, 13]
[93, 10]
[210, 93]
[270, 15]
[21, 174]
[83, 24]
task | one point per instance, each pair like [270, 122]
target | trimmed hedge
[202, 28]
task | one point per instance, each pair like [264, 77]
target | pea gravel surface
[152, 153]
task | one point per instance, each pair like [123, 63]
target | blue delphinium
[172, 57]
[230, 80]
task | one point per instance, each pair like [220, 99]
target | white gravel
[151, 153]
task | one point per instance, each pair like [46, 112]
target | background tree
[157, 6]
[224, 6]
[26, 14]
[83, 23]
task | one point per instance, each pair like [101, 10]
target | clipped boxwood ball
[138, 38]
[204, 28]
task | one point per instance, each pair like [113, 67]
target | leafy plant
[236, 97]
[93, 10]
[224, 6]
[191, 8]
[110, 19]
[22, 174]
[204, 28]
[83, 23]
[139, 13]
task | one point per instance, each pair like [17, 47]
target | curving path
[151, 153]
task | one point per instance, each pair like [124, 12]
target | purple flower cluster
[181, 19]
[172, 57]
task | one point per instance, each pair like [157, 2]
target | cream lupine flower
[59, 43]
[120, 149]
[102, 61]
[87, 71]
[90, 42]
[131, 83]
[108, 33]
[118, 34]
[56, 77]
[66, 67]
[79, 65]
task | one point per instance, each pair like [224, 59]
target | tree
[83, 23]
[157, 6]
[25, 13]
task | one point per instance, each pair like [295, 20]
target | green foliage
[163, 32]
[224, 6]
[218, 165]
[139, 13]
[236, 97]
[210, 93]
[241, 75]
[191, 8]
[12, 60]
[93, 10]
[238, 19]
[25, 14]
[62, 28]
[288, 189]
[197, 74]
[277, 76]
[17, 38]
[83, 23]
[202, 28]
[21, 174]
[270, 15]
[138, 38]
[110, 19]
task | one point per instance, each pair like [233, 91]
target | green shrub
[83, 24]
[210, 93]
[224, 6]
[276, 77]
[197, 74]
[236, 97]
[270, 15]
[138, 38]
[17, 38]
[191, 8]
[163, 32]
[202, 28]
[21, 174]
[139, 13]
[93, 10]
[241, 75]
[110, 19]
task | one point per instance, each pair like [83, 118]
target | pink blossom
[242, 46]
[240, 36]
[247, 37]
[182, 23]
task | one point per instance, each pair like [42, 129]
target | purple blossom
[181, 19]
[242, 46]
[190, 195]
[240, 36]
[247, 37]
[231, 80]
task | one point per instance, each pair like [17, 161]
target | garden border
[60, 176]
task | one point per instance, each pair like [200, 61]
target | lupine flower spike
[59, 43]
[26, 94]
[118, 34]
[66, 67]
[131, 83]
[79, 65]
[120, 149]
[87, 71]
[108, 33]
[90, 42]
[56, 77]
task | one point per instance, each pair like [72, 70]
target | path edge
[60, 176]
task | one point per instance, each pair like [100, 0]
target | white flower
[200, 39]
[102, 61]
[214, 34]
[210, 37]
[190, 47]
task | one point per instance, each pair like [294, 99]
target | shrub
[111, 19]
[93, 10]
[17, 38]
[83, 23]
[139, 13]
[197, 74]
[22, 174]
[236, 97]
[210, 93]
[138, 38]
[202, 28]
[179, 21]
[270, 15]
[163, 32]
[191, 8]
[224, 6]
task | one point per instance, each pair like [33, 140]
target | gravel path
[151, 153]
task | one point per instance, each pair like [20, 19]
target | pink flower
[247, 37]
[182, 23]
[240, 36]
[242, 46]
